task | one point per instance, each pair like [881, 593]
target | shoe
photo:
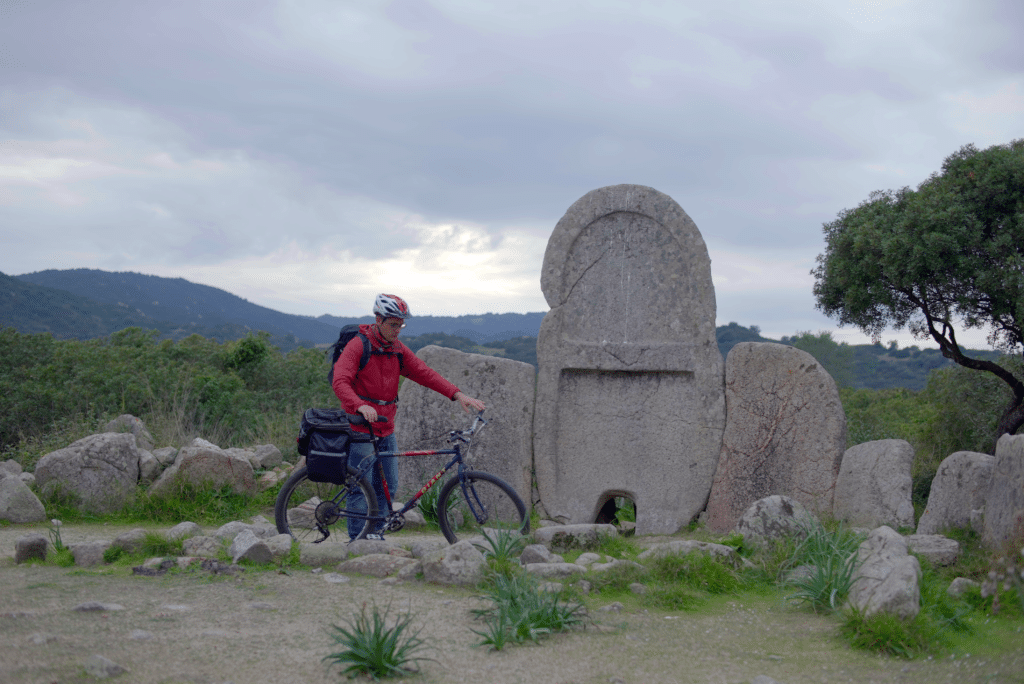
[376, 537]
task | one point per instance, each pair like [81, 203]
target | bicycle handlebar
[357, 419]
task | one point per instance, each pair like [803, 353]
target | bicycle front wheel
[303, 507]
[482, 504]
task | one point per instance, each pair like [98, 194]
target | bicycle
[470, 502]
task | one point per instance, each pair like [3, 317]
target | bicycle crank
[394, 522]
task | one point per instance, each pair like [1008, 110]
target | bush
[233, 394]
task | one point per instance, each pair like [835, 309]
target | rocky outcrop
[785, 432]
[874, 485]
[134, 426]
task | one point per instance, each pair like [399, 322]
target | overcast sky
[308, 154]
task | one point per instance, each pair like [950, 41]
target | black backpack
[344, 337]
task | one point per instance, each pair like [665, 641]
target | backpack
[344, 337]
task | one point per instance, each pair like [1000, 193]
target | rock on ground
[887, 578]
[774, 517]
[102, 471]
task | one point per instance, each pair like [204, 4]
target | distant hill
[184, 303]
[179, 301]
[31, 309]
[35, 309]
[489, 327]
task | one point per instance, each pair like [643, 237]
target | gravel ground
[265, 626]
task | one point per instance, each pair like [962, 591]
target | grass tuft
[888, 634]
[372, 647]
[519, 612]
[830, 558]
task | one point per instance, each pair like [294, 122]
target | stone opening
[617, 508]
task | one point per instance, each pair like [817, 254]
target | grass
[829, 557]
[888, 634]
[377, 646]
[520, 612]
[203, 505]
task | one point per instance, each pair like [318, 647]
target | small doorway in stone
[618, 510]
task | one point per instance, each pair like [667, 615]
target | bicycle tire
[501, 506]
[298, 505]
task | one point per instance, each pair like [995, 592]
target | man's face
[390, 327]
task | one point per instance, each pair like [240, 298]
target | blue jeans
[357, 452]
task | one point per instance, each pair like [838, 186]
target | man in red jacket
[373, 390]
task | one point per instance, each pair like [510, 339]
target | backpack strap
[365, 358]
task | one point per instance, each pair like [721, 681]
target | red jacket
[379, 378]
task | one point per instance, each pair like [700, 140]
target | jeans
[357, 452]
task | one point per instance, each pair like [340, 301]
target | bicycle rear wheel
[302, 504]
[483, 505]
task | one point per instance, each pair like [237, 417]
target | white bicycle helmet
[391, 306]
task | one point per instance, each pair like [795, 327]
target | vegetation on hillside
[234, 393]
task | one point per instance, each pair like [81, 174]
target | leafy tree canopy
[948, 255]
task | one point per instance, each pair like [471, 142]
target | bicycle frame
[454, 436]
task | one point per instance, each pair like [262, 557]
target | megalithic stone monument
[631, 385]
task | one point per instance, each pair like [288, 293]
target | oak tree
[948, 256]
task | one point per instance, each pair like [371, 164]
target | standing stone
[960, 486]
[785, 433]
[874, 485]
[630, 397]
[1004, 509]
[102, 471]
[425, 417]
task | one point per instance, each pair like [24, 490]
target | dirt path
[270, 627]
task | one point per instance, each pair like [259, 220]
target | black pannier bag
[323, 439]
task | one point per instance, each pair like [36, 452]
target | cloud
[293, 152]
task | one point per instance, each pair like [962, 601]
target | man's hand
[468, 402]
[368, 412]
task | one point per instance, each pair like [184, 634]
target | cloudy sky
[306, 154]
